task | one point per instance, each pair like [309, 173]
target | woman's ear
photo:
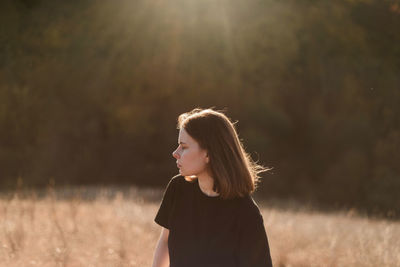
[207, 157]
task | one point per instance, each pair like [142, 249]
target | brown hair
[235, 173]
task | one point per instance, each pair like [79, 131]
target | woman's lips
[179, 166]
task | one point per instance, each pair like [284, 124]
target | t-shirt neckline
[202, 193]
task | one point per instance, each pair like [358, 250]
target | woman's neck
[206, 184]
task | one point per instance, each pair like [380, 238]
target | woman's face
[190, 158]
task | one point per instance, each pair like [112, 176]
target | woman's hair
[235, 173]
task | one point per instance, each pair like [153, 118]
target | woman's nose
[175, 155]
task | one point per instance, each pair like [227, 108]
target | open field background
[93, 226]
[90, 92]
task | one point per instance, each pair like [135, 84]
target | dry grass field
[114, 227]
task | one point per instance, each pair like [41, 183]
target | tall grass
[114, 227]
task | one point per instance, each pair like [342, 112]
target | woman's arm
[161, 254]
[253, 247]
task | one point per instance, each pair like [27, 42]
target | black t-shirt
[208, 231]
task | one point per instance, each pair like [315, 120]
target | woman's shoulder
[249, 206]
[179, 180]
[176, 178]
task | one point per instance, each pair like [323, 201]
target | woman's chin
[183, 173]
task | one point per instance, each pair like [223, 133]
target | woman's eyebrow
[181, 143]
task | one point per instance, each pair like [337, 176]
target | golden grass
[108, 227]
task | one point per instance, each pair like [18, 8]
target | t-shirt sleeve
[253, 242]
[164, 213]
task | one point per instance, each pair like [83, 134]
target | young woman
[207, 214]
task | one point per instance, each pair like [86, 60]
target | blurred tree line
[90, 91]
